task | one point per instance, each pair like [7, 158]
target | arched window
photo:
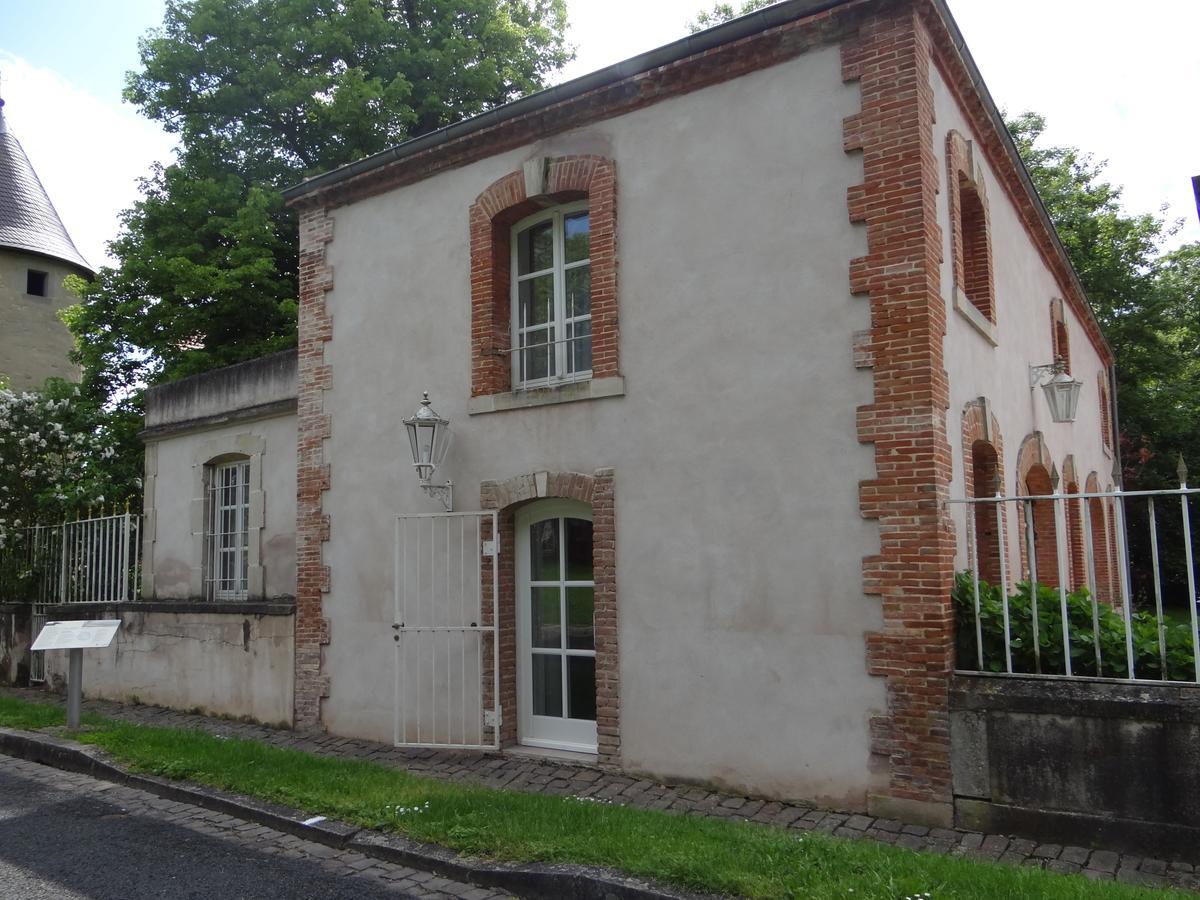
[227, 529]
[1037, 483]
[970, 237]
[985, 477]
[1059, 338]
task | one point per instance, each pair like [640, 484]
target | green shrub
[1108, 625]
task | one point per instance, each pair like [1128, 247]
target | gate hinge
[491, 548]
[492, 718]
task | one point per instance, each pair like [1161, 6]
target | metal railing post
[1031, 550]
[1000, 524]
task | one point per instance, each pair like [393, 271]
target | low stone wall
[231, 659]
[1108, 763]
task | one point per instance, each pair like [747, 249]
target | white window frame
[560, 321]
[551, 732]
[228, 548]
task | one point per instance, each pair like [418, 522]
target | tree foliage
[1148, 302]
[723, 12]
[262, 93]
[55, 452]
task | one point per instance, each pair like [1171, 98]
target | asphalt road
[70, 837]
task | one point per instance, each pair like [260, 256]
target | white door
[556, 640]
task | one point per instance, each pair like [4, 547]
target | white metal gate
[447, 656]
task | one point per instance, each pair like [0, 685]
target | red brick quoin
[312, 472]
[541, 183]
[597, 491]
[913, 574]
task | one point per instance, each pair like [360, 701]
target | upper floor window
[544, 285]
[35, 283]
[551, 293]
[970, 237]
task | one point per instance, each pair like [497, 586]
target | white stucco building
[719, 331]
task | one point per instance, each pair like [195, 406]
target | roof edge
[687, 46]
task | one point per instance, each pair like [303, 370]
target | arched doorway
[555, 617]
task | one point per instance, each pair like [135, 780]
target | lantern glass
[1062, 396]
[428, 438]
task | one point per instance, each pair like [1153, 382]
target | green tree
[262, 93]
[723, 12]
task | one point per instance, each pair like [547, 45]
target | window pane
[579, 291]
[547, 630]
[547, 685]
[538, 361]
[581, 685]
[535, 298]
[579, 550]
[535, 248]
[577, 236]
[581, 605]
[543, 550]
[579, 346]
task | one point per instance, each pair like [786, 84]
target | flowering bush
[53, 453]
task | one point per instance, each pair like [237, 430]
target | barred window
[227, 531]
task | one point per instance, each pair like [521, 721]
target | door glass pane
[535, 298]
[579, 291]
[581, 605]
[535, 248]
[543, 550]
[576, 228]
[544, 604]
[547, 685]
[579, 550]
[581, 687]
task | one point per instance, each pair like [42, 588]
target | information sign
[77, 635]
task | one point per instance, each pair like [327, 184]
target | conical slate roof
[28, 220]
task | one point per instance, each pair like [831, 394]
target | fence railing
[1080, 584]
[94, 560]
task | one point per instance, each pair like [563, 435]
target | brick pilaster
[312, 472]
[906, 423]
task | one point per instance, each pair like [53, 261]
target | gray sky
[1115, 79]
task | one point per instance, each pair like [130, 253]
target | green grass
[693, 853]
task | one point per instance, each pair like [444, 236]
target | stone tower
[36, 255]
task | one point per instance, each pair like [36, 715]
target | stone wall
[1108, 763]
[232, 659]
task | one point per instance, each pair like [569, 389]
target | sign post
[75, 637]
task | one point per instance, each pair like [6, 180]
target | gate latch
[490, 548]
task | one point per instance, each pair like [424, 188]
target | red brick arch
[596, 490]
[1034, 465]
[540, 183]
[1102, 546]
[983, 460]
[1076, 554]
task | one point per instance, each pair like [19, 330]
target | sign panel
[77, 635]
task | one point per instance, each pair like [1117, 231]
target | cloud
[88, 153]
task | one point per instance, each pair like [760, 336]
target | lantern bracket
[443, 492]
[1037, 373]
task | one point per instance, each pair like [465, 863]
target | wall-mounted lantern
[1062, 391]
[429, 437]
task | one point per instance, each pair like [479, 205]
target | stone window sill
[978, 320]
[592, 389]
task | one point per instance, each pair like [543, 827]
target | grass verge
[688, 852]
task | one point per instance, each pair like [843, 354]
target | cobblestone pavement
[69, 835]
[542, 775]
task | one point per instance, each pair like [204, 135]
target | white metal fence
[1115, 585]
[93, 560]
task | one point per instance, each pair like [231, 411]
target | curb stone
[536, 881]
